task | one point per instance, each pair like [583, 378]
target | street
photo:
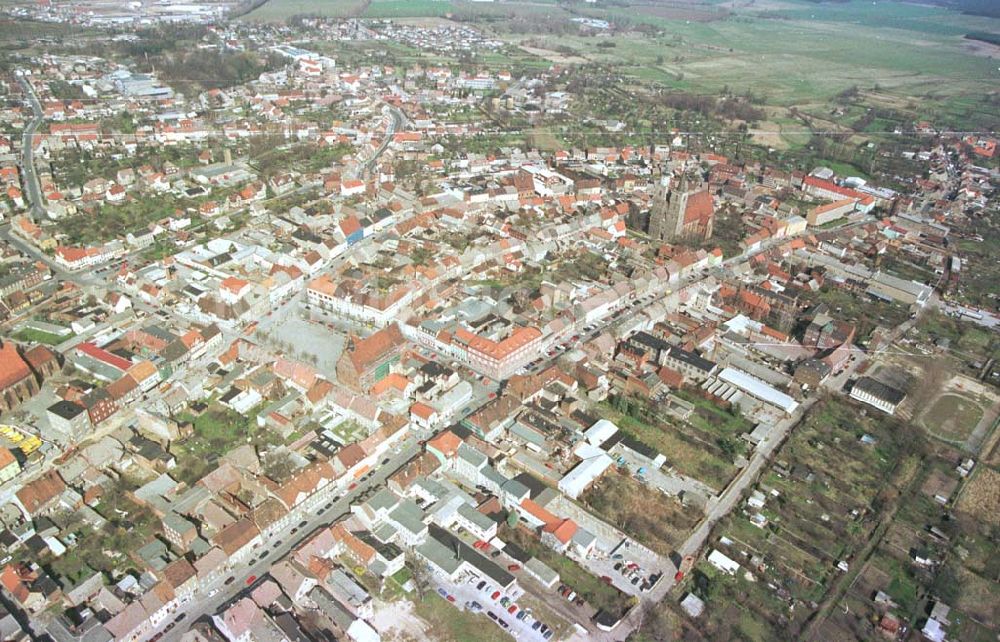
[28, 152]
[332, 512]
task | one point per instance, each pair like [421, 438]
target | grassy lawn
[952, 417]
[644, 513]
[860, 310]
[449, 624]
[695, 457]
[32, 335]
[591, 588]
[130, 527]
[903, 587]
[350, 431]
[216, 431]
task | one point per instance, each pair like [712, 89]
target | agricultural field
[910, 62]
[937, 547]
[822, 503]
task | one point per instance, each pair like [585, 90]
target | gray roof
[879, 390]
[471, 455]
[439, 555]
[474, 516]
[383, 500]
[409, 516]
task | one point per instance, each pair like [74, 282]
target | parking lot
[481, 596]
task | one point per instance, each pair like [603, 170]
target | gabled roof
[563, 530]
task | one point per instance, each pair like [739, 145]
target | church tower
[666, 218]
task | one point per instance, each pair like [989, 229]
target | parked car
[480, 586]
[251, 580]
[513, 567]
[442, 592]
[513, 609]
[495, 596]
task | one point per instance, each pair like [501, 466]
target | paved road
[28, 152]
[203, 605]
[396, 121]
[30, 250]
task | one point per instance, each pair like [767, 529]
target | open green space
[913, 57]
[451, 624]
[830, 488]
[645, 513]
[282, 10]
[952, 417]
[130, 527]
[706, 455]
[216, 431]
[860, 310]
[31, 335]
[968, 341]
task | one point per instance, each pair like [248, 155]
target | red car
[352, 486]
[480, 544]
[606, 579]
[451, 598]
[513, 609]
[495, 596]
[679, 576]
[514, 567]
[251, 580]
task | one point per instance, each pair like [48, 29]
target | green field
[908, 58]
[952, 417]
[32, 335]
[281, 10]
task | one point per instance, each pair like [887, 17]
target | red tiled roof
[104, 356]
[699, 207]
[562, 530]
[369, 351]
[446, 443]
[12, 367]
